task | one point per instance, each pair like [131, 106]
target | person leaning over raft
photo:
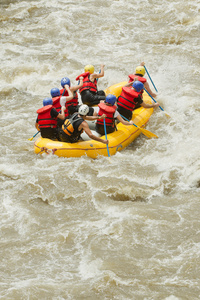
[139, 73]
[46, 121]
[131, 97]
[89, 93]
[73, 127]
[108, 107]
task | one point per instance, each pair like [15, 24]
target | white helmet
[83, 110]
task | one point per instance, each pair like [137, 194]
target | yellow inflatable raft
[118, 140]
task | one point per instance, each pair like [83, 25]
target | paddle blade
[168, 116]
[31, 138]
[148, 133]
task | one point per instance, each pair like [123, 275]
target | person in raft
[130, 97]
[73, 127]
[139, 73]
[46, 121]
[109, 108]
[89, 93]
[72, 109]
[66, 91]
[55, 94]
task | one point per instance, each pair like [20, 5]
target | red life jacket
[56, 103]
[109, 111]
[126, 99]
[82, 75]
[133, 76]
[88, 84]
[44, 117]
[73, 102]
[140, 78]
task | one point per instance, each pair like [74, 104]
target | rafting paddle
[150, 79]
[146, 132]
[156, 102]
[33, 136]
[104, 122]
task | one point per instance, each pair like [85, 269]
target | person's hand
[63, 108]
[142, 64]
[106, 142]
[103, 116]
[153, 95]
[156, 104]
[131, 122]
[102, 65]
[81, 78]
[66, 86]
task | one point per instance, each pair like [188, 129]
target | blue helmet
[111, 99]
[138, 86]
[55, 92]
[47, 101]
[64, 81]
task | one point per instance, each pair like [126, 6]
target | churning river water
[78, 228]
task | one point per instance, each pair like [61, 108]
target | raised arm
[70, 93]
[62, 114]
[78, 86]
[101, 74]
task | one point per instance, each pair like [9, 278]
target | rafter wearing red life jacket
[126, 99]
[44, 117]
[73, 102]
[56, 103]
[139, 78]
[87, 83]
[109, 111]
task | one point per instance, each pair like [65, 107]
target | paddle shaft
[104, 122]
[150, 79]
[153, 99]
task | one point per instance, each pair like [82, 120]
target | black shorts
[91, 98]
[49, 133]
[100, 129]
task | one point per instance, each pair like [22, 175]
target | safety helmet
[111, 99]
[55, 92]
[47, 101]
[89, 68]
[83, 110]
[64, 81]
[140, 70]
[138, 86]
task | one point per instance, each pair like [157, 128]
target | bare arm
[95, 117]
[85, 127]
[62, 114]
[70, 94]
[146, 105]
[123, 121]
[37, 126]
[95, 75]
[78, 86]
[147, 87]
